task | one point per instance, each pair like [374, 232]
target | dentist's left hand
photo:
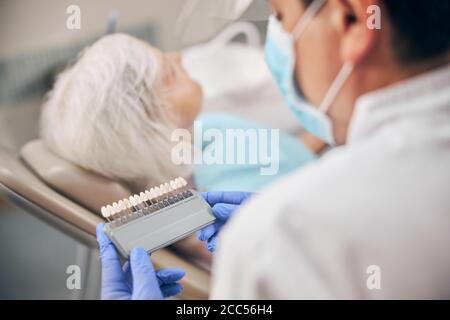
[137, 279]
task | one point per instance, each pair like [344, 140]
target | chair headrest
[86, 188]
[18, 179]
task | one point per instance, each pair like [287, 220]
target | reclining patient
[114, 110]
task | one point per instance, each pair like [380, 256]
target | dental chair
[69, 199]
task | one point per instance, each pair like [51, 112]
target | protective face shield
[203, 19]
[280, 58]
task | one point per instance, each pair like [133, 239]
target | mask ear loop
[309, 14]
[346, 69]
[336, 86]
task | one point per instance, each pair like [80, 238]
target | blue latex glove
[137, 279]
[223, 204]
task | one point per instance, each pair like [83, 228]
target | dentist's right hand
[223, 204]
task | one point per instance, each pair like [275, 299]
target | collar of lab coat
[426, 95]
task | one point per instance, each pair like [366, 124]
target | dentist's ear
[352, 19]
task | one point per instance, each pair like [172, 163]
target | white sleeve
[261, 259]
[272, 269]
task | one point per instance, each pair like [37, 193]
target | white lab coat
[383, 199]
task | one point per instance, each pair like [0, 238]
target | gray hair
[107, 114]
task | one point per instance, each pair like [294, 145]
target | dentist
[371, 218]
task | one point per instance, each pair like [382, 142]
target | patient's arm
[194, 250]
[311, 142]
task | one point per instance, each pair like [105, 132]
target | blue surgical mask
[280, 58]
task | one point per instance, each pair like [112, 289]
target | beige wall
[27, 25]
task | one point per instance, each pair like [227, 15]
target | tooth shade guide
[147, 201]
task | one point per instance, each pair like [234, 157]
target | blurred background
[35, 44]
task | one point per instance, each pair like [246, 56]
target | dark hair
[421, 28]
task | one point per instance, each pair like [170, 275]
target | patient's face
[182, 92]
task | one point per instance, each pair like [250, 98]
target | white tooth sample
[115, 208]
[173, 184]
[137, 199]
[109, 209]
[180, 182]
[183, 181]
[122, 205]
[152, 193]
[148, 195]
[132, 201]
[157, 191]
[142, 197]
[127, 203]
[167, 187]
[104, 211]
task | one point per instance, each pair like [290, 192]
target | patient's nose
[174, 56]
